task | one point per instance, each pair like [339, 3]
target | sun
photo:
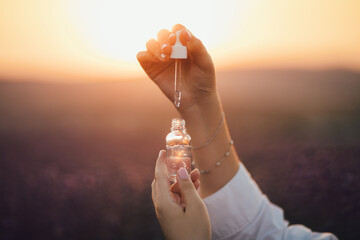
[117, 30]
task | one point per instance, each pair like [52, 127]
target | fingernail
[187, 35]
[163, 47]
[163, 56]
[171, 35]
[183, 174]
[161, 152]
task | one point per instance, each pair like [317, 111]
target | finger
[185, 34]
[163, 39]
[162, 183]
[175, 188]
[146, 59]
[186, 37]
[195, 174]
[163, 35]
[188, 191]
[153, 47]
[172, 39]
[153, 192]
[197, 184]
[177, 27]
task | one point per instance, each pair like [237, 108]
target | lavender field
[77, 160]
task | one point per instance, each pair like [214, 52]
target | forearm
[202, 121]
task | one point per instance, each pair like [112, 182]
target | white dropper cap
[178, 50]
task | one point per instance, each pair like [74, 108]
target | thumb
[187, 189]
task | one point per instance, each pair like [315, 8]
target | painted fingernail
[187, 35]
[163, 56]
[172, 35]
[163, 47]
[183, 174]
[161, 153]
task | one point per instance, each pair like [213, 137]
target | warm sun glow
[99, 39]
[119, 29]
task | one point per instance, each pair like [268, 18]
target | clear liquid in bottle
[178, 149]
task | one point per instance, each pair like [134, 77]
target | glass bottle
[178, 149]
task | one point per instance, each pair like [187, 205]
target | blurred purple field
[77, 160]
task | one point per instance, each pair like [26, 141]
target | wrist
[202, 119]
[204, 107]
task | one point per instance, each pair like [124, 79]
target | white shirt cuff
[234, 206]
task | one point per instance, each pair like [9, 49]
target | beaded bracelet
[218, 163]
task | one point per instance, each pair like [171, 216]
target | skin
[175, 188]
[177, 222]
[201, 108]
[198, 66]
[200, 105]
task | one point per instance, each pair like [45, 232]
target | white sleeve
[239, 210]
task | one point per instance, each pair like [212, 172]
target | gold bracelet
[218, 163]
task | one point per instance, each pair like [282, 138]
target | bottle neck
[178, 125]
[176, 129]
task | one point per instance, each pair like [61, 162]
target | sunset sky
[95, 40]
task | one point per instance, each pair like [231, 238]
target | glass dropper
[177, 85]
[178, 53]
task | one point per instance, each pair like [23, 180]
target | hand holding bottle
[198, 81]
[175, 221]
